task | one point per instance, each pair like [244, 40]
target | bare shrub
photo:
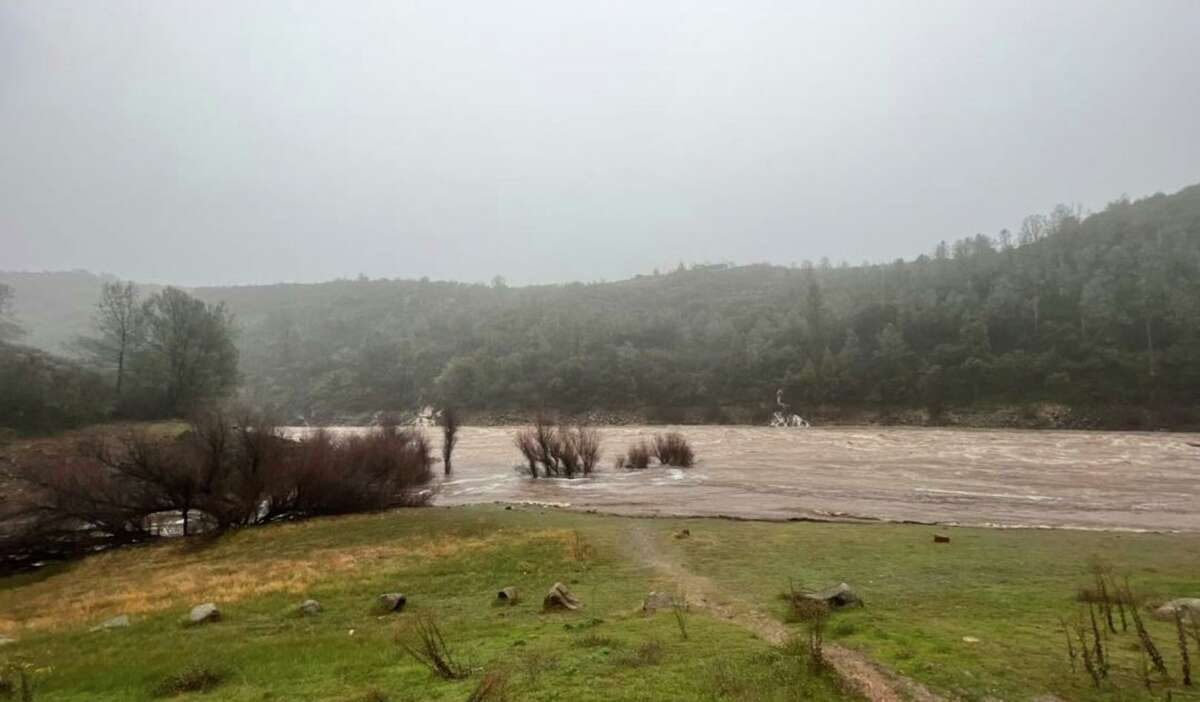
[638, 456]
[384, 468]
[558, 451]
[219, 474]
[814, 615]
[429, 648]
[585, 445]
[672, 449]
[449, 437]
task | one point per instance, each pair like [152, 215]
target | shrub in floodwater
[638, 456]
[672, 449]
[558, 450]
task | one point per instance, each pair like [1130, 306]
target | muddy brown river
[1086, 480]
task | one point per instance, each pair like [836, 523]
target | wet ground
[1097, 480]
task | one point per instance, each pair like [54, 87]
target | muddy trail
[857, 673]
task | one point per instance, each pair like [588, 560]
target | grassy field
[1008, 589]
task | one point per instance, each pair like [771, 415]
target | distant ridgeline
[1103, 311]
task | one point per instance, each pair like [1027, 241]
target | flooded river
[1095, 480]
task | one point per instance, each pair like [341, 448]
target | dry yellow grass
[178, 574]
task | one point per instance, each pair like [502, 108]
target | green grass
[450, 564]
[1006, 588]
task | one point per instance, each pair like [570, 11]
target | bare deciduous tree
[119, 324]
[449, 436]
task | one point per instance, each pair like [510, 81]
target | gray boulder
[837, 597]
[204, 613]
[508, 596]
[309, 607]
[560, 598]
[658, 600]
[1189, 607]
[5, 640]
[392, 601]
[114, 623]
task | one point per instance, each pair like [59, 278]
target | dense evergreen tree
[1098, 310]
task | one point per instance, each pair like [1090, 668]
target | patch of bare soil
[857, 672]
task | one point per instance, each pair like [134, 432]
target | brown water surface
[1097, 480]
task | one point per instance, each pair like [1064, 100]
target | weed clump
[428, 647]
[194, 678]
[651, 652]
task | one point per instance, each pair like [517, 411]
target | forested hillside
[1094, 312]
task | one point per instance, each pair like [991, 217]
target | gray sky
[230, 142]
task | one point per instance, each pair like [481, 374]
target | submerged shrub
[670, 449]
[558, 450]
[638, 456]
[673, 450]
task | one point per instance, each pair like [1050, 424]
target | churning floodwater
[1091, 480]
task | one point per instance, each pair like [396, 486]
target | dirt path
[859, 673]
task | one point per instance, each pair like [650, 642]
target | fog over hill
[1099, 310]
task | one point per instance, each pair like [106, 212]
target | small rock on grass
[392, 601]
[1188, 608]
[114, 623]
[509, 596]
[204, 613]
[5, 640]
[941, 539]
[837, 597]
[560, 598]
[309, 608]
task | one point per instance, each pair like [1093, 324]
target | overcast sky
[230, 142]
